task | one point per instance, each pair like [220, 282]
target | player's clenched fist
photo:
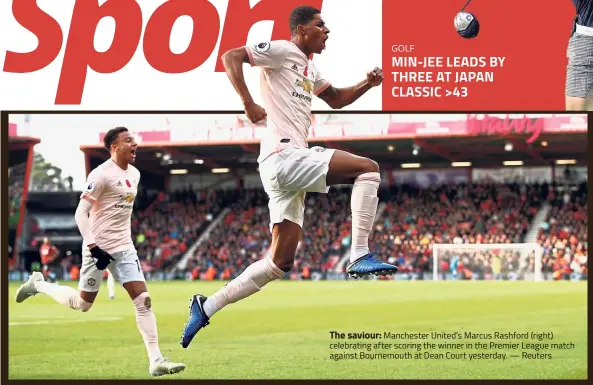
[375, 77]
[255, 112]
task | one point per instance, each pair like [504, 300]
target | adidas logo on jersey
[294, 67]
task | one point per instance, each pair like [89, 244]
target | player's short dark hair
[301, 15]
[112, 135]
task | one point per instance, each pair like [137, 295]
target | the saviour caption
[464, 346]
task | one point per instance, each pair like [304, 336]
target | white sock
[146, 321]
[110, 284]
[65, 295]
[249, 282]
[364, 207]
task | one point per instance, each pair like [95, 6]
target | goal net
[504, 261]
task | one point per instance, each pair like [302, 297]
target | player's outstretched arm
[233, 61]
[341, 97]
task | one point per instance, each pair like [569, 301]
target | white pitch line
[37, 316]
[48, 322]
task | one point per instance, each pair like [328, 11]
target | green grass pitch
[284, 331]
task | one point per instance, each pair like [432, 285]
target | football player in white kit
[288, 167]
[103, 217]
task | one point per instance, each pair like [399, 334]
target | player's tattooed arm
[341, 97]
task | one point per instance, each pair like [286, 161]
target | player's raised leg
[285, 239]
[344, 167]
[65, 295]
[90, 281]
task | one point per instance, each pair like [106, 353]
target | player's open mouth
[133, 153]
[324, 40]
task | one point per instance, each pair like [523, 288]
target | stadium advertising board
[347, 127]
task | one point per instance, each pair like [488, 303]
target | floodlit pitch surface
[284, 332]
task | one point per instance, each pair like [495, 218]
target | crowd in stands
[164, 231]
[412, 221]
[236, 241]
[326, 232]
[415, 219]
[564, 234]
[243, 236]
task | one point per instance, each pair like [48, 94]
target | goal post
[482, 261]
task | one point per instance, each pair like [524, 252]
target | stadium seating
[413, 220]
[564, 234]
[238, 239]
[163, 232]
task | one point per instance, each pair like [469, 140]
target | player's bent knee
[366, 166]
[285, 265]
[77, 303]
[143, 301]
[372, 166]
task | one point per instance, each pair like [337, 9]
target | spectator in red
[48, 254]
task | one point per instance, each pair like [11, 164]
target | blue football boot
[196, 321]
[369, 265]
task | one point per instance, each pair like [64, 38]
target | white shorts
[288, 175]
[125, 268]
